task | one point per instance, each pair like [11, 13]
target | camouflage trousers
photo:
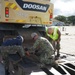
[45, 59]
[45, 56]
[56, 46]
[6, 50]
[42, 61]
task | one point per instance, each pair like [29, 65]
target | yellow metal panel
[20, 20]
[6, 3]
[30, 11]
[12, 6]
[9, 4]
[15, 8]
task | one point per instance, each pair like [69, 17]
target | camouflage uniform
[55, 38]
[5, 50]
[43, 50]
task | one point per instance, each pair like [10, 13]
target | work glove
[26, 49]
[27, 52]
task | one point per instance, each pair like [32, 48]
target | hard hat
[33, 35]
[20, 37]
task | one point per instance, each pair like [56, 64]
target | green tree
[61, 18]
[71, 19]
[66, 20]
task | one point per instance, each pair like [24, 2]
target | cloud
[67, 0]
[56, 11]
[64, 7]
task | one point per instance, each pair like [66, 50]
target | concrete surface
[68, 44]
[70, 30]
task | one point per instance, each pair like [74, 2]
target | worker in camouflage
[6, 50]
[54, 37]
[43, 49]
[11, 46]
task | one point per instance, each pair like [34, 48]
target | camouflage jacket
[43, 49]
[12, 50]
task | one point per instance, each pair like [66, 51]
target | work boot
[58, 55]
[55, 64]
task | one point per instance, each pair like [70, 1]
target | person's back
[12, 41]
[45, 45]
[53, 33]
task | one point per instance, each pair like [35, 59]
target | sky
[64, 7]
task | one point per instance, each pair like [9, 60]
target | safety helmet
[20, 37]
[33, 35]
